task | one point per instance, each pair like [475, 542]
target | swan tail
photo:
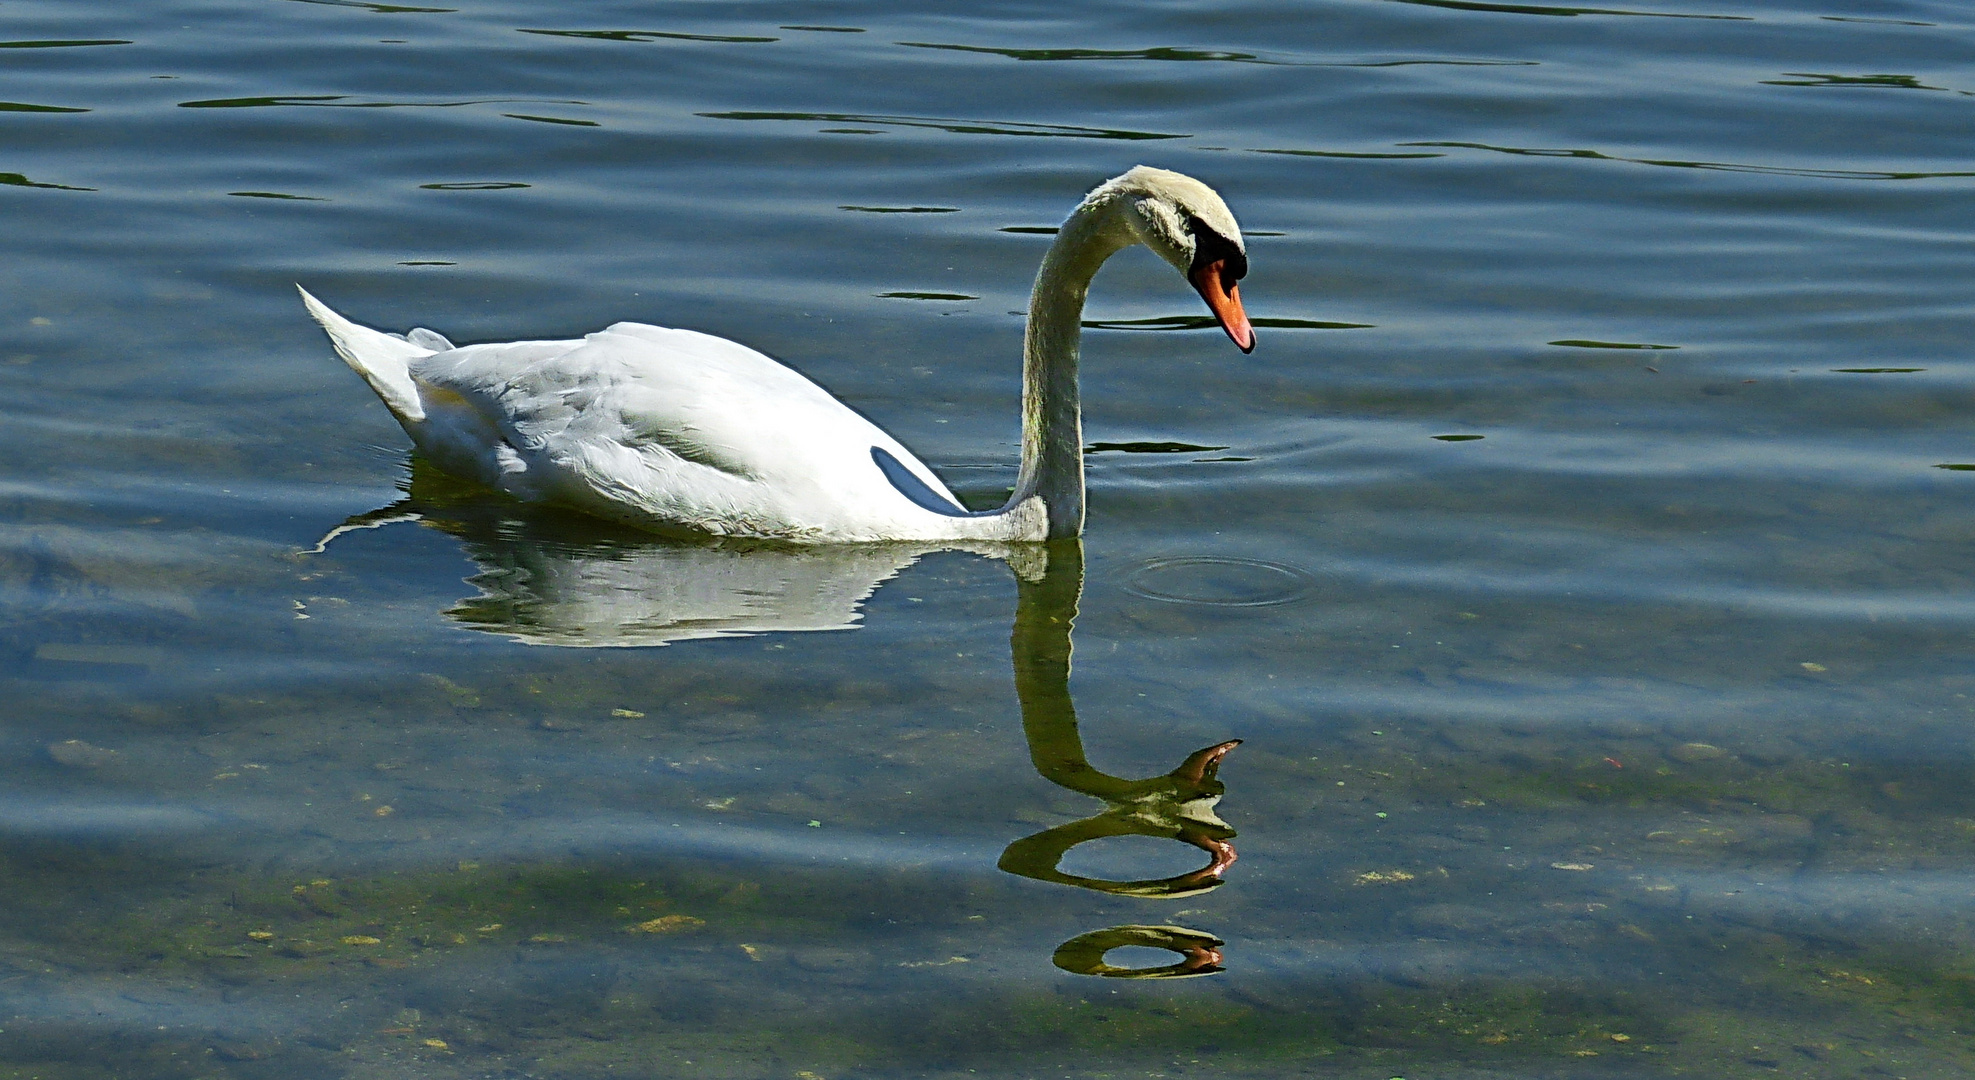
[382, 359]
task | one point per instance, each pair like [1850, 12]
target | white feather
[661, 428]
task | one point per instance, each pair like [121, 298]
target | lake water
[1583, 557]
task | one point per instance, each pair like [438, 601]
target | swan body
[676, 430]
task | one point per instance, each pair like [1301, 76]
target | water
[1572, 556]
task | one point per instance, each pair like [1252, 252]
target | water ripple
[1716, 166]
[1220, 581]
[1167, 53]
[63, 44]
[382, 9]
[1159, 53]
[958, 127]
[1207, 322]
[342, 101]
[1346, 154]
[1884, 82]
[1780, 601]
[1544, 9]
[1587, 343]
[552, 120]
[14, 179]
[649, 35]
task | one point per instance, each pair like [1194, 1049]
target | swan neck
[1052, 423]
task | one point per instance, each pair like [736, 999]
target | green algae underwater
[1442, 949]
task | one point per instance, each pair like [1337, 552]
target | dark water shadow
[1710, 166]
[14, 179]
[1348, 154]
[1883, 82]
[1206, 322]
[74, 43]
[1147, 447]
[957, 127]
[1588, 343]
[1547, 9]
[650, 35]
[552, 120]
[1167, 53]
[382, 9]
[342, 101]
[1161, 53]
[1876, 22]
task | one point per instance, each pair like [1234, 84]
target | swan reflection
[547, 578]
[1084, 954]
[1178, 805]
[567, 580]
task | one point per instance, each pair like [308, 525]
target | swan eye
[1211, 247]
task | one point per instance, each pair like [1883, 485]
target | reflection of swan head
[1084, 954]
[1179, 806]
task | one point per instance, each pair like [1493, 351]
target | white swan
[676, 430]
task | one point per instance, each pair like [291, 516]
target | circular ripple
[1220, 581]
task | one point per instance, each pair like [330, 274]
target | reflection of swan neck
[1052, 429]
[1178, 805]
[1045, 613]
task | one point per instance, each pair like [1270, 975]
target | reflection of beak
[1203, 765]
[1211, 874]
[1224, 300]
[1203, 959]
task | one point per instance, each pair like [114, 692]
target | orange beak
[1224, 300]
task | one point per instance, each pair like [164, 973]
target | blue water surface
[1583, 557]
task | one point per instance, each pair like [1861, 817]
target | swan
[679, 431]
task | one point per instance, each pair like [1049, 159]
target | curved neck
[1052, 424]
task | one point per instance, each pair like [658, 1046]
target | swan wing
[646, 422]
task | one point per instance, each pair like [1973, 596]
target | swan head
[1187, 224]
